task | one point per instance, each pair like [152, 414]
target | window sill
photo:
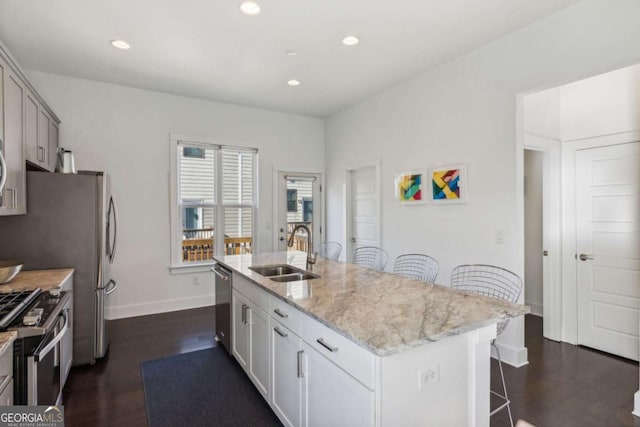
[191, 268]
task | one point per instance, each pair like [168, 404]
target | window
[214, 201]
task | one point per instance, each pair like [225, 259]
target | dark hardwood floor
[566, 385]
[110, 392]
[563, 385]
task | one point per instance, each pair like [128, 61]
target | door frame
[551, 230]
[348, 208]
[276, 195]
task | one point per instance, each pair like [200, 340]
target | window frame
[176, 264]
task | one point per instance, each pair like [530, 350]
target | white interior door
[299, 202]
[608, 242]
[365, 209]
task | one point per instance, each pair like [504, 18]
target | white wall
[533, 230]
[465, 112]
[602, 105]
[125, 132]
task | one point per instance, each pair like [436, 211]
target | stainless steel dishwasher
[223, 305]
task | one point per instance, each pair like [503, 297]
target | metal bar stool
[370, 257]
[417, 266]
[330, 250]
[494, 282]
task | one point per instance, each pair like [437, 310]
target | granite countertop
[43, 279]
[6, 338]
[382, 312]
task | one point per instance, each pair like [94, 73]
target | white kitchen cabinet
[251, 341]
[33, 151]
[331, 397]
[41, 134]
[28, 131]
[13, 197]
[240, 329]
[53, 145]
[259, 349]
[286, 374]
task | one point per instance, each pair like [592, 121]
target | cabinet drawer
[251, 291]
[352, 358]
[285, 314]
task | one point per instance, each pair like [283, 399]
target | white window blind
[216, 201]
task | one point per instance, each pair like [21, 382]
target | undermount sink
[283, 273]
[293, 277]
[276, 270]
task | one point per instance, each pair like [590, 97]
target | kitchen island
[360, 347]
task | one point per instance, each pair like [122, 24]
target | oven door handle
[42, 352]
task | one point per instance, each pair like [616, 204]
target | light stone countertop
[382, 312]
[6, 338]
[43, 279]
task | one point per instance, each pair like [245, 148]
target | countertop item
[43, 279]
[6, 338]
[9, 269]
[382, 312]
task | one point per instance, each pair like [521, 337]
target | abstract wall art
[410, 187]
[448, 184]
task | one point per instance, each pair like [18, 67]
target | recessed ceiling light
[293, 82]
[292, 52]
[250, 8]
[350, 41]
[120, 44]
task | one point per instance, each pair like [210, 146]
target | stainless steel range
[40, 356]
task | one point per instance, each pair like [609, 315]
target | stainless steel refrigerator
[70, 222]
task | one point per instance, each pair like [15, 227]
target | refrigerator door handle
[112, 248]
[111, 286]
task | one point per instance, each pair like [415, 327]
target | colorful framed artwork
[410, 187]
[448, 184]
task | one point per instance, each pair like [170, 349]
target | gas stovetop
[30, 312]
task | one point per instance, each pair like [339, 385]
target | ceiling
[209, 49]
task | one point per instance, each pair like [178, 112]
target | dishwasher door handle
[222, 276]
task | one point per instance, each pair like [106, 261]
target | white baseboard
[536, 309]
[636, 404]
[516, 357]
[133, 310]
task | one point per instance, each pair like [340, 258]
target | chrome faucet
[311, 257]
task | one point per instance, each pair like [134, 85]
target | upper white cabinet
[13, 196]
[28, 131]
[52, 156]
[41, 132]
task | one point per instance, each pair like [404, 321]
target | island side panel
[458, 393]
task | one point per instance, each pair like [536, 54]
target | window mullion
[219, 208]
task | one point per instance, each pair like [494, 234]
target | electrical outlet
[196, 281]
[430, 375]
[499, 236]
